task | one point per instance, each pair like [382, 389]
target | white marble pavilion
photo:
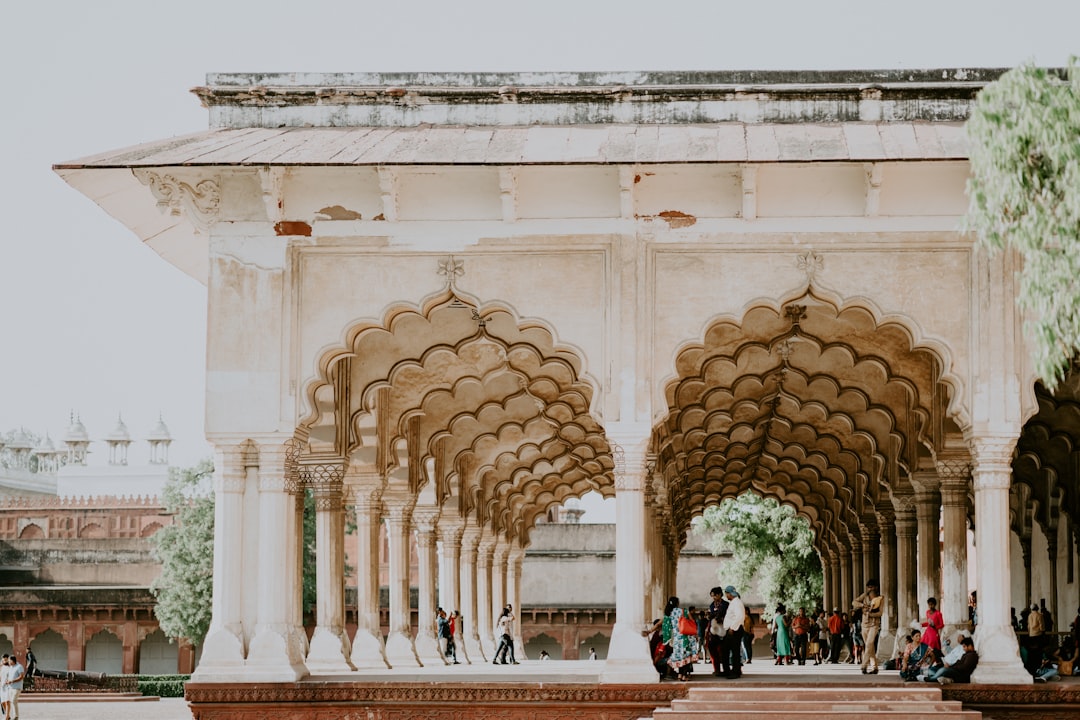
[451, 301]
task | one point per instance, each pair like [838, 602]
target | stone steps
[85, 697]
[793, 703]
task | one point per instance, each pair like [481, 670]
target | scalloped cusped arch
[489, 410]
[823, 406]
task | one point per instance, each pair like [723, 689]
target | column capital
[903, 502]
[277, 467]
[886, 517]
[992, 452]
[424, 519]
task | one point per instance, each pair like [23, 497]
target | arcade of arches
[452, 318]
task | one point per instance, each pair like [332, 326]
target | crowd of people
[722, 633]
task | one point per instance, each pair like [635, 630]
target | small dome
[160, 433]
[120, 432]
[20, 441]
[573, 504]
[76, 431]
[46, 446]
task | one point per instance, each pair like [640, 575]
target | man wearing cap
[733, 622]
[870, 602]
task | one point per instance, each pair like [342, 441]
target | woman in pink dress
[934, 623]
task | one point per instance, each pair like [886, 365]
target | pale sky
[97, 323]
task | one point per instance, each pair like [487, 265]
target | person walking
[871, 604]
[836, 634]
[502, 631]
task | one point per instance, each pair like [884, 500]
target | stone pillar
[907, 603]
[470, 540]
[858, 580]
[450, 578]
[514, 562]
[330, 650]
[275, 654]
[928, 518]
[223, 649]
[826, 582]
[400, 651]
[498, 581]
[845, 580]
[889, 632]
[995, 641]
[834, 581]
[955, 475]
[427, 642]
[628, 658]
[870, 540]
[484, 621]
[367, 645]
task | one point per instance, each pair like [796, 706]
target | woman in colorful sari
[913, 659]
[683, 646]
[783, 636]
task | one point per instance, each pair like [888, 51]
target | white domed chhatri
[160, 438]
[118, 441]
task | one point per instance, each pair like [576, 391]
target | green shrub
[163, 685]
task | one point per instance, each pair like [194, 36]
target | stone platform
[570, 690]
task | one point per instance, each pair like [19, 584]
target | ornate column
[628, 658]
[330, 649]
[400, 651]
[427, 642]
[845, 580]
[470, 540]
[449, 531]
[834, 581]
[858, 580]
[513, 593]
[367, 645]
[498, 580]
[999, 657]
[955, 473]
[889, 632]
[484, 621]
[928, 517]
[870, 540]
[223, 649]
[275, 654]
[907, 603]
[827, 601]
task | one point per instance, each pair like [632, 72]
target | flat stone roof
[540, 145]
[269, 100]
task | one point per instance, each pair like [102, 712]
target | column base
[474, 652]
[999, 657]
[886, 645]
[328, 653]
[400, 651]
[427, 649]
[275, 656]
[368, 652]
[223, 651]
[628, 658]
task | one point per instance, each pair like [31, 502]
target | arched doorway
[105, 654]
[828, 408]
[157, 655]
[51, 650]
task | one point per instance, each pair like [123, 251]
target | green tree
[770, 545]
[186, 553]
[1024, 193]
[184, 590]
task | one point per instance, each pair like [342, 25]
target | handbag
[1065, 667]
[687, 626]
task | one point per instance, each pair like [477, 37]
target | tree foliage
[1024, 192]
[184, 590]
[770, 545]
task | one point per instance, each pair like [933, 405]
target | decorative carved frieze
[200, 203]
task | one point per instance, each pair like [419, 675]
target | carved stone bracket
[200, 203]
[811, 264]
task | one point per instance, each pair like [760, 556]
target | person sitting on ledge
[913, 659]
[960, 672]
[938, 669]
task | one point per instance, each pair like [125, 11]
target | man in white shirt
[15, 685]
[5, 672]
[733, 623]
